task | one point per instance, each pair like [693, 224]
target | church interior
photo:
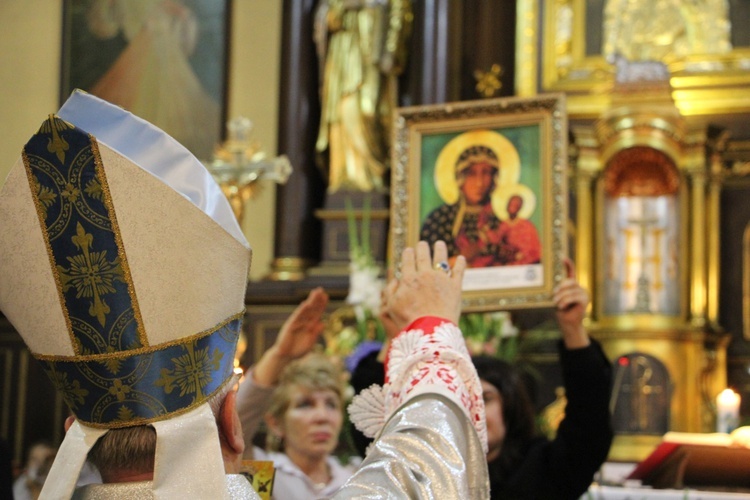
[647, 190]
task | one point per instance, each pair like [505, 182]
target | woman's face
[312, 422]
[478, 181]
[493, 407]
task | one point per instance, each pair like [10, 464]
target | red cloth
[522, 237]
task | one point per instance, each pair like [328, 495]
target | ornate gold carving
[488, 82]
[527, 34]
[553, 414]
[656, 31]
[414, 123]
[640, 171]
[288, 269]
[239, 163]
[708, 74]
[641, 145]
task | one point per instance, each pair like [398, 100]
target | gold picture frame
[746, 282]
[524, 142]
[562, 46]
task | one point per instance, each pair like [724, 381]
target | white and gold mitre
[124, 270]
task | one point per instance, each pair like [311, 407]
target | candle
[727, 411]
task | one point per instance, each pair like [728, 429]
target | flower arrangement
[365, 283]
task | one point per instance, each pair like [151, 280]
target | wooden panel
[488, 37]
[297, 230]
[32, 410]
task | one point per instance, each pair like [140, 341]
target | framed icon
[489, 178]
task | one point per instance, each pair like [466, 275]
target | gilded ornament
[361, 45]
[45, 196]
[119, 390]
[667, 30]
[91, 274]
[192, 371]
[56, 144]
[74, 394]
[488, 82]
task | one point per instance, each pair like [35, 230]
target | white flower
[507, 328]
[365, 286]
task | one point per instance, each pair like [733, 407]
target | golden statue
[669, 29]
[361, 48]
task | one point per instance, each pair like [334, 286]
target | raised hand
[302, 329]
[423, 289]
[297, 337]
[571, 300]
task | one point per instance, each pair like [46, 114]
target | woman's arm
[296, 338]
[571, 300]
[585, 434]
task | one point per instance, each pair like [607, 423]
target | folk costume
[126, 279]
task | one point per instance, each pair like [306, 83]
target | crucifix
[643, 285]
[639, 390]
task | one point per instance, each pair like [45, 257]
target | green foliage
[484, 334]
[359, 242]
[493, 334]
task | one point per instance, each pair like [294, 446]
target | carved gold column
[642, 133]
[716, 145]
[586, 169]
[698, 249]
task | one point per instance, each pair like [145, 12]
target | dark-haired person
[523, 465]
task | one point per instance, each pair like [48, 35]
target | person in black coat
[6, 472]
[521, 464]
[524, 466]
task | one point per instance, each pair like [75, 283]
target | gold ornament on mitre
[446, 165]
[502, 195]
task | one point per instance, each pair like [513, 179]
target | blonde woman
[300, 395]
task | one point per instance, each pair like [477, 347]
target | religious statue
[361, 48]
